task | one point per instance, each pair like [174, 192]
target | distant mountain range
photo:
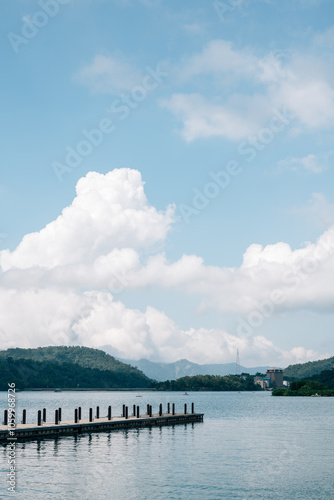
[183, 368]
[83, 367]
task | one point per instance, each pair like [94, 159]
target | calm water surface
[250, 446]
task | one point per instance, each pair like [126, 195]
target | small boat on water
[186, 394]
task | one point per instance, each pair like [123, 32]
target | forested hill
[83, 356]
[305, 370]
[67, 367]
[321, 384]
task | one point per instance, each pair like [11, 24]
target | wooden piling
[168, 408]
[97, 412]
[44, 414]
[74, 427]
[59, 414]
[79, 413]
[24, 417]
[185, 408]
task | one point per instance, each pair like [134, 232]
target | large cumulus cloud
[61, 284]
[110, 211]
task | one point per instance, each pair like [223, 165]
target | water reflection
[250, 447]
[56, 446]
[38, 448]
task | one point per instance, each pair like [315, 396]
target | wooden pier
[10, 431]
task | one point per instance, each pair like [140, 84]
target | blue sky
[222, 111]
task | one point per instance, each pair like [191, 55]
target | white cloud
[250, 88]
[311, 101]
[220, 58]
[216, 346]
[311, 163]
[318, 210]
[35, 317]
[299, 278]
[110, 211]
[98, 243]
[201, 118]
[109, 75]
[60, 285]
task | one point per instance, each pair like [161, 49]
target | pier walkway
[42, 429]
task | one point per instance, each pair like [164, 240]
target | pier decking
[78, 426]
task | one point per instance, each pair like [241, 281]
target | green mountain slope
[326, 377]
[321, 384]
[306, 370]
[70, 367]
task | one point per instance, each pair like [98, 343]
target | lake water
[250, 446]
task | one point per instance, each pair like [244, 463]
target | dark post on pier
[99, 424]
